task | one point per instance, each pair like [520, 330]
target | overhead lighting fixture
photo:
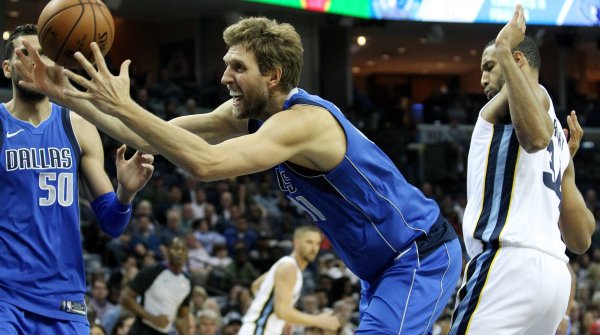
[13, 14]
[355, 69]
[457, 59]
[401, 50]
[385, 57]
[361, 40]
[370, 63]
[473, 52]
[6, 35]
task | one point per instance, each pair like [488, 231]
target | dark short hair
[22, 30]
[529, 48]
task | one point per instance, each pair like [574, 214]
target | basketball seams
[71, 30]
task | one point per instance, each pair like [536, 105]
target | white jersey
[514, 197]
[260, 317]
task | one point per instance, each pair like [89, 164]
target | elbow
[536, 145]
[201, 173]
[580, 246]
[281, 313]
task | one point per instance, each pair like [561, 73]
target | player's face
[308, 245]
[491, 76]
[247, 86]
[14, 74]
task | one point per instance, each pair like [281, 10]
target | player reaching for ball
[386, 231]
[45, 148]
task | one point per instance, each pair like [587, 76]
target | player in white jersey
[277, 291]
[521, 198]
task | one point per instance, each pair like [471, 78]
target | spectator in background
[204, 233]
[145, 240]
[99, 299]
[208, 322]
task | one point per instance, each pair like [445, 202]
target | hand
[161, 321]
[107, 92]
[133, 173]
[513, 32]
[328, 321]
[41, 76]
[575, 131]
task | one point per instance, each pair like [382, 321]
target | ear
[6, 69]
[519, 57]
[275, 77]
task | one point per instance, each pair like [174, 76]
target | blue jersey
[366, 208]
[41, 261]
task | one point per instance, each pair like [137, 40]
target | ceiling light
[6, 35]
[473, 52]
[355, 69]
[370, 63]
[457, 58]
[361, 40]
[401, 50]
[385, 57]
[13, 14]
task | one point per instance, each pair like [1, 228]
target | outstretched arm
[285, 279]
[282, 136]
[50, 80]
[576, 221]
[527, 110]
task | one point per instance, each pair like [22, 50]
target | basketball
[67, 26]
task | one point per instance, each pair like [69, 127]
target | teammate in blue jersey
[385, 230]
[44, 148]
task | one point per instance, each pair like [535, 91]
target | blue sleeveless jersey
[41, 260]
[364, 205]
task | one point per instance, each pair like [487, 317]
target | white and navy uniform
[261, 318]
[384, 229]
[163, 292]
[41, 263]
[517, 281]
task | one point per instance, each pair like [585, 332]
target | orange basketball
[67, 26]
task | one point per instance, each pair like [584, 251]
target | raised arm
[285, 279]
[528, 108]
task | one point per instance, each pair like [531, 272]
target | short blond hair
[273, 44]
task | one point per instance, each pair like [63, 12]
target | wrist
[125, 197]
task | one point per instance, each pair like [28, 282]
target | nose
[226, 78]
[485, 79]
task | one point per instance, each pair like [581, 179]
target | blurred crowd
[236, 229]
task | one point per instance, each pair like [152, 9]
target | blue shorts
[17, 321]
[412, 293]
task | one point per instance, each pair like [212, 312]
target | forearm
[179, 146]
[109, 124]
[532, 123]
[577, 222]
[296, 317]
[135, 308]
[112, 214]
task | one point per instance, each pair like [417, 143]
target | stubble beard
[24, 93]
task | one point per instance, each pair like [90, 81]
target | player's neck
[30, 111]
[302, 263]
[275, 104]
